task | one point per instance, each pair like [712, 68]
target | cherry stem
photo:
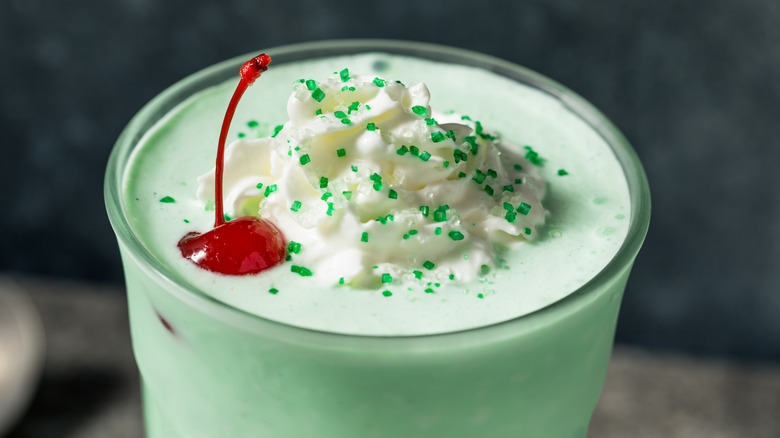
[250, 71]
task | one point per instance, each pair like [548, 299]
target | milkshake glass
[213, 370]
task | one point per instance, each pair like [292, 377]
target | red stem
[250, 71]
[219, 216]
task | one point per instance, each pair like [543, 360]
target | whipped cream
[371, 185]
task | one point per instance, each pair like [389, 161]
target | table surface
[646, 394]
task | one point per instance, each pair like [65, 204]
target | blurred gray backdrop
[692, 84]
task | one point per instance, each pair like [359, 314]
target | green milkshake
[428, 291]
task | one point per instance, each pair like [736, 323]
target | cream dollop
[370, 185]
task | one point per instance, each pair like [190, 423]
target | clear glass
[225, 373]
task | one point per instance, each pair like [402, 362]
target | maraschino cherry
[245, 245]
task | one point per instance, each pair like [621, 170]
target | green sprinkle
[402, 150]
[480, 296]
[252, 123]
[326, 195]
[353, 106]
[419, 110]
[509, 188]
[523, 208]
[341, 152]
[392, 194]
[439, 215]
[167, 200]
[311, 85]
[354, 168]
[562, 172]
[377, 186]
[489, 190]
[296, 205]
[288, 258]
[461, 175]
[510, 216]
[437, 231]
[344, 75]
[481, 134]
[527, 231]
[417, 274]
[412, 232]
[323, 182]
[340, 114]
[346, 121]
[492, 173]
[371, 126]
[484, 269]
[241, 135]
[364, 236]
[227, 218]
[330, 210]
[186, 221]
[425, 156]
[347, 194]
[379, 82]
[318, 112]
[387, 293]
[318, 95]
[430, 122]
[518, 167]
[300, 270]
[375, 177]
[532, 156]
[341, 280]
[273, 291]
[294, 247]
[387, 278]
[474, 146]
[446, 164]
[428, 290]
[424, 210]
[459, 155]
[452, 276]
[479, 177]
[277, 130]
[456, 235]
[450, 134]
[428, 265]
[270, 189]
[437, 137]
[465, 118]
[414, 150]
[305, 159]
[259, 185]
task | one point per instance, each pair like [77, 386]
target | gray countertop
[89, 387]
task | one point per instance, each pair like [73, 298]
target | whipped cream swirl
[370, 185]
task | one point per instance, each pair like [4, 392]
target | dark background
[692, 84]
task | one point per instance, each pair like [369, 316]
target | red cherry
[246, 245]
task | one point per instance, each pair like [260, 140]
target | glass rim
[636, 179]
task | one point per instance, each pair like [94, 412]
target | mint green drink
[518, 347]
